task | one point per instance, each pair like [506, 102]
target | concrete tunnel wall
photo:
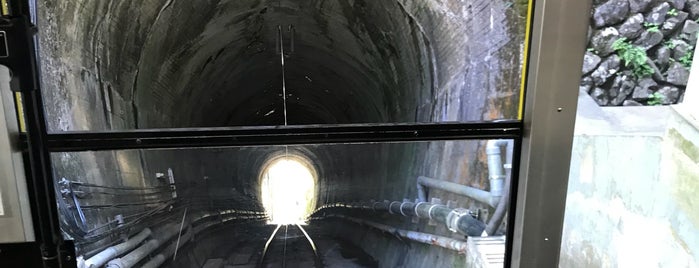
[109, 65]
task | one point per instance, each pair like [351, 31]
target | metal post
[557, 48]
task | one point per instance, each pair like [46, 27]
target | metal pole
[42, 180]
[557, 46]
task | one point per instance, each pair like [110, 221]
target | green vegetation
[673, 12]
[670, 44]
[592, 49]
[686, 60]
[651, 27]
[655, 99]
[634, 57]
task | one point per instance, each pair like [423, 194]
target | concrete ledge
[639, 120]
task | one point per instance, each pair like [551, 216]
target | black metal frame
[281, 135]
[21, 60]
[56, 252]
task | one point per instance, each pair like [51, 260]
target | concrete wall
[633, 190]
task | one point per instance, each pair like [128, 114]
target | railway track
[290, 246]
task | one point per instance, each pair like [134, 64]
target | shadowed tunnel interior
[116, 65]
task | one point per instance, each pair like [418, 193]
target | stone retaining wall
[640, 51]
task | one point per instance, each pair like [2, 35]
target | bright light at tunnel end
[288, 190]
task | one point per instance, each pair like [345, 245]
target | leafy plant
[670, 44]
[673, 12]
[592, 49]
[686, 60]
[651, 27]
[634, 57]
[655, 99]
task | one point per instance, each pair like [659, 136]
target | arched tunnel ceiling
[216, 63]
[172, 63]
[344, 64]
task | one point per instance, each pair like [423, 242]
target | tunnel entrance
[288, 189]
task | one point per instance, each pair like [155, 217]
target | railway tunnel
[122, 65]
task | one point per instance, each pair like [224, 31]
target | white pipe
[477, 194]
[141, 252]
[496, 175]
[114, 251]
[496, 170]
[163, 236]
[425, 238]
[155, 262]
[500, 177]
[159, 259]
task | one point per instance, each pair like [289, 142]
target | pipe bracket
[390, 205]
[416, 206]
[401, 208]
[453, 217]
[429, 211]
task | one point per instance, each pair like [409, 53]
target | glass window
[446, 190]
[109, 65]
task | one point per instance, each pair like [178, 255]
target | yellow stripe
[5, 10]
[527, 36]
[20, 112]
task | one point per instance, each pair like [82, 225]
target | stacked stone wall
[639, 51]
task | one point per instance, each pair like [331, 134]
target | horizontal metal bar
[278, 135]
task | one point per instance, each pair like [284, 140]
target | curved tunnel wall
[215, 63]
[169, 63]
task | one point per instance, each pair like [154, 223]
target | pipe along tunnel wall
[110, 65]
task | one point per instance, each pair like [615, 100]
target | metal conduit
[474, 193]
[160, 258]
[456, 220]
[131, 259]
[496, 176]
[163, 235]
[425, 238]
[500, 210]
[112, 252]
[170, 250]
